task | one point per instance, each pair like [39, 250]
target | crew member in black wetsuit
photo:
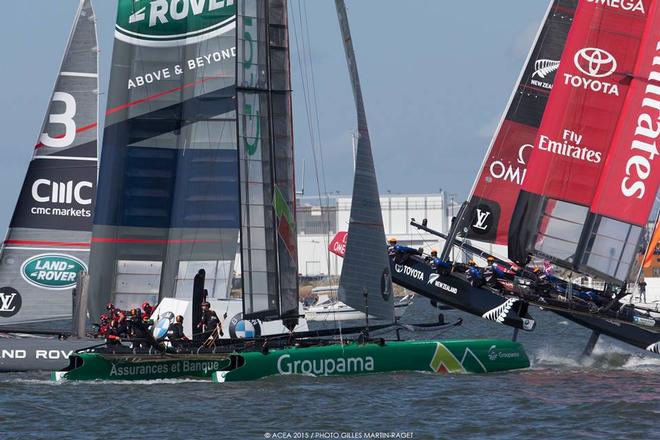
[175, 332]
[209, 321]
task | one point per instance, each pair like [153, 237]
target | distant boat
[328, 308]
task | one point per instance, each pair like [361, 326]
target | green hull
[95, 366]
[460, 356]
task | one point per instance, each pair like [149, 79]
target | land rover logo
[241, 328]
[166, 23]
[10, 302]
[52, 271]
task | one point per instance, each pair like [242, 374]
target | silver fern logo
[544, 68]
[499, 313]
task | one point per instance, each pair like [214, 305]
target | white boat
[328, 308]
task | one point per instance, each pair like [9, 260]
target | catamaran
[565, 179]
[211, 174]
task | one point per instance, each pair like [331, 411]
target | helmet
[104, 317]
[471, 263]
[391, 240]
[146, 305]
[110, 306]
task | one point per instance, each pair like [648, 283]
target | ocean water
[613, 395]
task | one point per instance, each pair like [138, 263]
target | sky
[436, 76]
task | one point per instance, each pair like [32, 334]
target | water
[616, 394]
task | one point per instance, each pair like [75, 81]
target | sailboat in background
[48, 239]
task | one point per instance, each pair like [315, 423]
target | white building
[317, 226]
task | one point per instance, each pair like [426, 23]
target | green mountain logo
[52, 271]
[173, 22]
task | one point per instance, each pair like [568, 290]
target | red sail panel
[501, 177]
[631, 176]
[589, 94]
[497, 186]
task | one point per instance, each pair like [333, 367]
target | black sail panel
[268, 234]
[365, 283]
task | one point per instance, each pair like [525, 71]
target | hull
[342, 312]
[460, 356]
[96, 366]
[628, 333]
[454, 290]
[24, 352]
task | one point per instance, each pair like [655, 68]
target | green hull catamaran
[269, 285]
[459, 356]
[334, 359]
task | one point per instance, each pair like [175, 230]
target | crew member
[442, 267]
[147, 310]
[209, 320]
[104, 326]
[175, 331]
[642, 290]
[399, 251]
[474, 275]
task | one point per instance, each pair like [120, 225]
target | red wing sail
[579, 122]
[631, 176]
[580, 129]
[503, 171]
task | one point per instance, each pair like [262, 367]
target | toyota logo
[595, 62]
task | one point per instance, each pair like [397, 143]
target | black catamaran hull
[628, 333]
[456, 291]
[22, 352]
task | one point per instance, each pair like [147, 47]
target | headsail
[48, 239]
[365, 280]
[504, 168]
[578, 148]
[193, 152]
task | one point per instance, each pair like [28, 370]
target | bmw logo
[241, 328]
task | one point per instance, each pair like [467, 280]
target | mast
[268, 236]
[365, 280]
[47, 243]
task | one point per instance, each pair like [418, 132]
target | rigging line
[315, 100]
[315, 108]
[310, 121]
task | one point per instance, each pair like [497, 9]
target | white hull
[338, 311]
